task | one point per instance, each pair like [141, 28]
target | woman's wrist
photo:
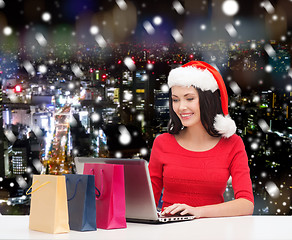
[198, 212]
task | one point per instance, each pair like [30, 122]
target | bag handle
[101, 192]
[78, 181]
[30, 188]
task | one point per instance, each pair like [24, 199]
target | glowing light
[270, 50]
[263, 125]
[231, 30]
[148, 27]
[18, 88]
[75, 151]
[149, 66]
[100, 40]
[122, 4]
[178, 7]
[71, 86]
[2, 4]
[140, 117]
[125, 137]
[143, 151]
[278, 143]
[275, 17]
[94, 30]
[235, 88]
[237, 23]
[268, 68]
[268, 6]
[256, 99]
[263, 174]
[118, 154]
[42, 69]
[7, 31]
[230, 7]
[289, 88]
[272, 189]
[203, 27]
[157, 20]
[95, 117]
[253, 45]
[177, 35]
[46, 16]
[76, 70]
[129, 63]
[29, 67]
[164, 88]
[128, 96]
[254, 146]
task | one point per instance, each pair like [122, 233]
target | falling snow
[95, 38]
[230, 7]
[125, 136]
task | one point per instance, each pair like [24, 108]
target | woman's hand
[181, 209]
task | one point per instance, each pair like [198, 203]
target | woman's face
[185, 103]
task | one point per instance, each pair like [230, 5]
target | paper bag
[81, 202]
[110, 205]
[48, 207]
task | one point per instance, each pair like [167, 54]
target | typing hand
[181, 209]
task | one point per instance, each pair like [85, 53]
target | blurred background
[88, 78]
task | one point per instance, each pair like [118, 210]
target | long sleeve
[240, 172]
[198, 178]
[156, 170]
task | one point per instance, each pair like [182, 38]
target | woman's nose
[182, 105]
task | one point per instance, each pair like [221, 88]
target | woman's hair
[210, 106]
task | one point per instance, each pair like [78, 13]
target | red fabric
[198, 178]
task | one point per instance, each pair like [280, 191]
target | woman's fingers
[173, 209]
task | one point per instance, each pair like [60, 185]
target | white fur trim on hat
[191, 76]
[224, 125]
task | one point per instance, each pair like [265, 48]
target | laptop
[140, 202]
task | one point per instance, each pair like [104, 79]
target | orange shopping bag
[48, 207]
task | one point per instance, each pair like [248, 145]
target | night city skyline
[89, 79]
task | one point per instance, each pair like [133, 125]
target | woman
[193, 162]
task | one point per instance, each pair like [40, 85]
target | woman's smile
[186, 116]
[185, 102]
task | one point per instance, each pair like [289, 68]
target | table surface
[239, 228]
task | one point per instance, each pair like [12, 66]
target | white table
[233, 228]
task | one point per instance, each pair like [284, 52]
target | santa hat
[205, 77]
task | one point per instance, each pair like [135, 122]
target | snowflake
[157, 20]
[230, 7]
[125, 136]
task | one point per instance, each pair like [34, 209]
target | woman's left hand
[181, 209]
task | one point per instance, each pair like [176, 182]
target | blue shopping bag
[81, 202]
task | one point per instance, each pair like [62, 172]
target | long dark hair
[210, 106]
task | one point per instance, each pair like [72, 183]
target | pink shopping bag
[110, 200]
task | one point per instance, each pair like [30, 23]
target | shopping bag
[81, 202]
[48, 207]
[110, 205]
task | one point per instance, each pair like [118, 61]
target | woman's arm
[237, 207]
[155, 169]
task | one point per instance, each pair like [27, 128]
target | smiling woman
[185, 103]
[194, 161]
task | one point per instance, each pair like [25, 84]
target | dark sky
[255, 22]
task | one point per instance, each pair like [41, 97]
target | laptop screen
[140, 203]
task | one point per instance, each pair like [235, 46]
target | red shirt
[198, 178]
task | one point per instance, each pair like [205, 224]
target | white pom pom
[224, 125]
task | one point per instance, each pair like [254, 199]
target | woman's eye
[175, 100]
[190, 99]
